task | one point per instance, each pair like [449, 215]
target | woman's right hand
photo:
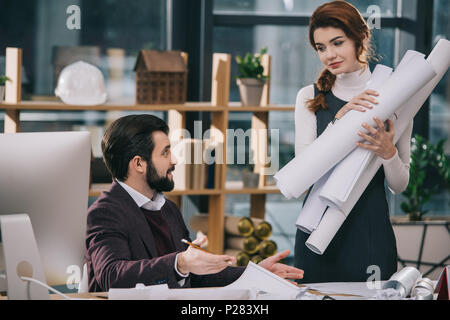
[359, 103]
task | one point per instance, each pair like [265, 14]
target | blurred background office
[112, 28]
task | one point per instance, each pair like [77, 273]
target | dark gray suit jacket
[121, 251]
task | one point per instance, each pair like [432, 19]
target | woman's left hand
[381, 140]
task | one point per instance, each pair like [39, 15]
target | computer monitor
[22, 262]
[46, 176]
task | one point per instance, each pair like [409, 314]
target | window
[285, 7]
[112, 32]
[282, 27]
[439, 104]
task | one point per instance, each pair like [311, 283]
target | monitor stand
[22, 258]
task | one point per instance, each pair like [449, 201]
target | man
[134, 233]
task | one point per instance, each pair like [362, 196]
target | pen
[194, 245]
[199, 248]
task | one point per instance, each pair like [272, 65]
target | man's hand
[200, 262]
[281, 270]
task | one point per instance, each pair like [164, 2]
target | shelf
[220, 108]
[188, 106]
[97, 189]
[265, 190]
[59, 106]
[237, 107]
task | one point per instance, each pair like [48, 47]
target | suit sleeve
[108, 249]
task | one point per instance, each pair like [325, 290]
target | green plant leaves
[250, 66]
[428, 164]
[3, 79]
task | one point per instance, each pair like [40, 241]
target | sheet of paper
[162, 292]
[361, 289]
[257, 277]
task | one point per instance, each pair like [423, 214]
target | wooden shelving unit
[220, 107]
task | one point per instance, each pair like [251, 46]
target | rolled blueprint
[314, 208]
[439, 59]
[403, 281]
[339, 140]
[320, 238]
[338, 187]
[342, 181]
[423, 289]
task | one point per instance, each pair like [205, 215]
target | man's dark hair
[128, 137]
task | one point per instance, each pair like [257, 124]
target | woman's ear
[365, 41]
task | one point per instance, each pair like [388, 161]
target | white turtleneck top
[346, 86]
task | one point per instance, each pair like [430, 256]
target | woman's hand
[359, 103]
[381, 140]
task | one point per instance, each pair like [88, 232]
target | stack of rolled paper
[245, 238]
[340, 179]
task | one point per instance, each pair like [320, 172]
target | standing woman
[341, 38]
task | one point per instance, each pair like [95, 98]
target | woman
[341, 39]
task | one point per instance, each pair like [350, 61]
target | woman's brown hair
[342, 15]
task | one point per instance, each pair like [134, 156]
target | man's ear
[137, 164]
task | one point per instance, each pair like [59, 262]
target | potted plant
[3, 79]
[429, 173]
[251, 80]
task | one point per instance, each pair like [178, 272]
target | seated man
[134, 233]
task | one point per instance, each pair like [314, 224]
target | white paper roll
[314, 208]
[403, 280]
[379, 75]
[339, 140]
[439, 59]
[320, 238]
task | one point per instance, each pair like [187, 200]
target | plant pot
[250, 179]
[250, 90]
[414, 216]
[2, 93]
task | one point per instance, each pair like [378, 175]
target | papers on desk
[162, 292]
[346, 290]
[256, 283]
[265, 282]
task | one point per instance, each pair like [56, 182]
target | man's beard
[157, 182]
